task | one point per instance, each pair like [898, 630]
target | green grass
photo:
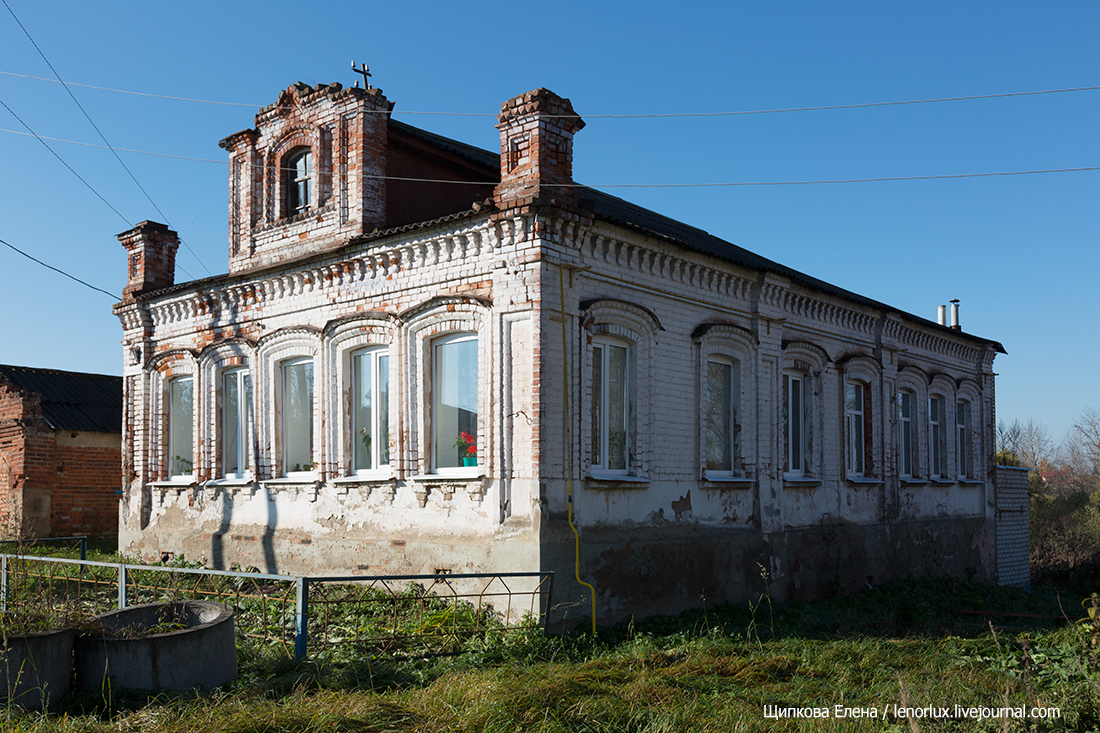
[712, 670]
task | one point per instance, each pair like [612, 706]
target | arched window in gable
[299, 180]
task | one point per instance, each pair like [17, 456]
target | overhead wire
[58, 270]
[98, 131]
[71, 169]
[734, 113]
[718, 184]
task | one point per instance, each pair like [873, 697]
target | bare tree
[1086, 436]
[1030, 441]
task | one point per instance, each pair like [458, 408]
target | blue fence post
[301, 622]
[4, 586]
[83, 548]
[122, 579]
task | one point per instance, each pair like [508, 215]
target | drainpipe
[569, 450]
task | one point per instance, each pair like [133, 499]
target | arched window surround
[161, 372]
[274, 352]
[215, 362]
[611, 321]
[801, 364]
[422, 326]
[343, 340]
[738, 347]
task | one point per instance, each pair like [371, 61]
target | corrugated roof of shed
[72, 400]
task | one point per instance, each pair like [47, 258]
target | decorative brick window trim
[447, 486]
[366, 485]
[310, 487]
[612, 482]
[728, 484]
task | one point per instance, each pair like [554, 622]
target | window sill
[795, 482]
[471, 480]
[941, 482]
[720, 483]
[607, 480]
[308, 484]
[366, 483]
[863, 481]
[914, 482]
[179, 484]
[365, 478]
[299, 217]
[230, 482]
[971, 482]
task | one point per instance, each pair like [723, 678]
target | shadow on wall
[270, 566]
[217, 541]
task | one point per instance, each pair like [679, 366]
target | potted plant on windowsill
[467, 445]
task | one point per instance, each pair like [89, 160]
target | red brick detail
[536, 147]
[150, 257]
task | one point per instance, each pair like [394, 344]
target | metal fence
[74, 544]
[406, 615]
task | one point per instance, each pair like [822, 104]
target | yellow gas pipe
[569, 449]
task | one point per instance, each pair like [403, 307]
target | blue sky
[1020, 252]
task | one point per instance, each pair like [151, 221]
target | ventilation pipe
[955, 314]
[942, 320]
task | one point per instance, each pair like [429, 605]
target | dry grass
[692, 677]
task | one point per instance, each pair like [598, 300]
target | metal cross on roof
[364, 70]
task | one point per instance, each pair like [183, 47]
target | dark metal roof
[632, 216]
[615, 210]
[469, 152]
[72, 400]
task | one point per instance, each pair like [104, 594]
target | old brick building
[395, 298]
[60, 458]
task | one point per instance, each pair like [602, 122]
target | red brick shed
[60, 460]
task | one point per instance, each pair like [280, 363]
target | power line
[622, 185]
[90, 188]
[98, 131]
[777, 110]
[51, 267]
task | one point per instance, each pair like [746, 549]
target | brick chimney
[150, 257]
[536, 147]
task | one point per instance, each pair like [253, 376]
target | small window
[236, 422]
[794, 424]
[181, 423]
[297, 411]
[610, 405]
[907, 434]
[855, 424]
[454, 402]
[299, 171]
[721, 407]
[962, 443]
[370, 409]
[937, 437]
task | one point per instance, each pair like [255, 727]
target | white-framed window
[236, 423]
[962, 440]
[610, 418]
[181, 426]
[370, 409]
[907, 434]
[299, 172]
[795, 460]
[297, 416]
[937, 437]
[721, 409]
[856, 415]
[454, 385]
